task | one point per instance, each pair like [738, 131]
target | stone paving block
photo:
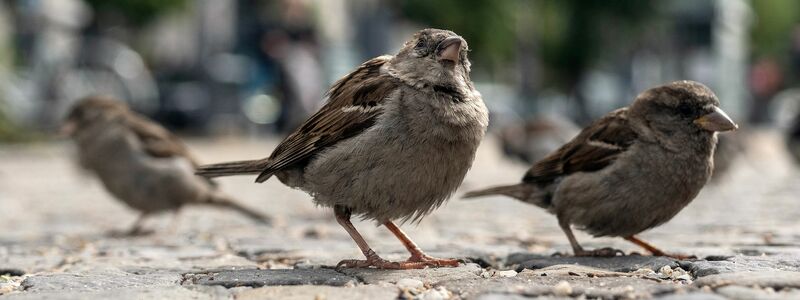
[537, 284]
[748, 293]
[304, 292]
[109, 279]
[742, 263]
[627, 263]
[773, 279]
[16, 265]
[429, 276]
[170, 292]
[692, 296]
[258, 278]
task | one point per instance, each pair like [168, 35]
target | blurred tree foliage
[563, 37]
[775, 21]
[488, 26]
[137, 11]
[572, 34]
[10, 132]
[567, 33]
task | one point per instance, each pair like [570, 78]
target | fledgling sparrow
[393, 141]
[631, 170]
[139, 162]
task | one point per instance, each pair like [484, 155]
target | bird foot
[433, 262]
[602, 252]
[414, 262]
[676, 256]
[380, 263]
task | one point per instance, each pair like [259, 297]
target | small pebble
[438, 293]
[562, 289]
[506, 273]
[410, 284]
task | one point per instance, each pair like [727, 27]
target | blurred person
[766, 80]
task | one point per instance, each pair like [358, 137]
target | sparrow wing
[157, 141]
[354, 102]
[596, 147]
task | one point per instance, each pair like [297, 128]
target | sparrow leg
[653, 250]
[135, 230]
[579, 251]
[373, 260]
[417, 256]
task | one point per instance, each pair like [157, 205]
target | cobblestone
[55, 242]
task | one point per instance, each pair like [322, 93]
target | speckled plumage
[393, 141]
[631, 170]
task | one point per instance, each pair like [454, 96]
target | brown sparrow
[393, 141]
[631, 170]
[139, 162]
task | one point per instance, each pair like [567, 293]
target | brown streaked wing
[157, 141]
[593, 149]
[354, 102]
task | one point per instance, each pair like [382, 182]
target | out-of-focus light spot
[128, 64]
[262, 109]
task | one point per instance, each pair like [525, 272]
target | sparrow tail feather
[224, 201]
[516, 191]
[244, 167]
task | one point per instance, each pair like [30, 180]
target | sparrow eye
[420, 44]
[685, 110]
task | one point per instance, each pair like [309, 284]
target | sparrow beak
[716, 121]
[450, 49]
[67, 129]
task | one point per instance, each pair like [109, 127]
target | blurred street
[55, 222]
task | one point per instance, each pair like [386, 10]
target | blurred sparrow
[534, 139]
[631, 170]
[138, 161]
[393, 141]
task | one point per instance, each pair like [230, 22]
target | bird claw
[602, 252]
[433, 262]
[677, 256]
[380, 263]
[414, 262]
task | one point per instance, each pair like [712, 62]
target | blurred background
[258, 67]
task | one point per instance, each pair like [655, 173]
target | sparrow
[534, 139]
[393, 141]
[631, 170]
[139, 162]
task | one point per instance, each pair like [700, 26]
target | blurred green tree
[137, 11]
[488, 26]
[563, 37]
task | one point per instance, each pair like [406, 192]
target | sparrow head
[681, 107]
[90, 111]
[433, 57]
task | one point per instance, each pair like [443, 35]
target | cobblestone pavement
[55, 221]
